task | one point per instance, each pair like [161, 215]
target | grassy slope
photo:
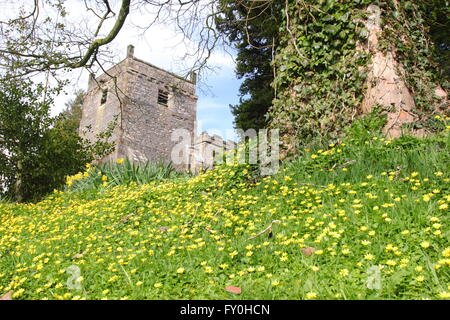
[382, 204]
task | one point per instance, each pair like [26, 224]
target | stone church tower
[148, 104]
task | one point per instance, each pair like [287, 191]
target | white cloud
[208, 104]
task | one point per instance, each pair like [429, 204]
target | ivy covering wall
[321, 69]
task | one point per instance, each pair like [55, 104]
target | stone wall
[95, 115]
[148, 125]
[206, 150]
[144, 126]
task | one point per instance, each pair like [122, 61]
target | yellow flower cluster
[222, 228]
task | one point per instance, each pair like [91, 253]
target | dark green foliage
[251, 112]
[38, 151]
[253, 29]
[321, 71]
[73, 110]
[415, 31]
[435, 14]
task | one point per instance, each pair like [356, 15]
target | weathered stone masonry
[148, 104]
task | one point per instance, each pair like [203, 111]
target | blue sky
[213, 112]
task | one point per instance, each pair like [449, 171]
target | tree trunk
[386, 85]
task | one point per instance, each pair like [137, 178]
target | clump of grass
[122, 172]
[366, 151]
[141, 173]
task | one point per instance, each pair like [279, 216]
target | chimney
[130, 51]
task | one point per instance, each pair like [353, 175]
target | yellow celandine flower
[67, 295]
[208, 269]
[120, 160]
[233, 254]
[181, 270]
[275, 283]
[420, 278]
[158, 285]
[105, 292]
[425, 244]
[344, 272]
[444, 295]
[446, 252]
[369, 256]
[311, 295]
[139, 283]
[391, 263]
